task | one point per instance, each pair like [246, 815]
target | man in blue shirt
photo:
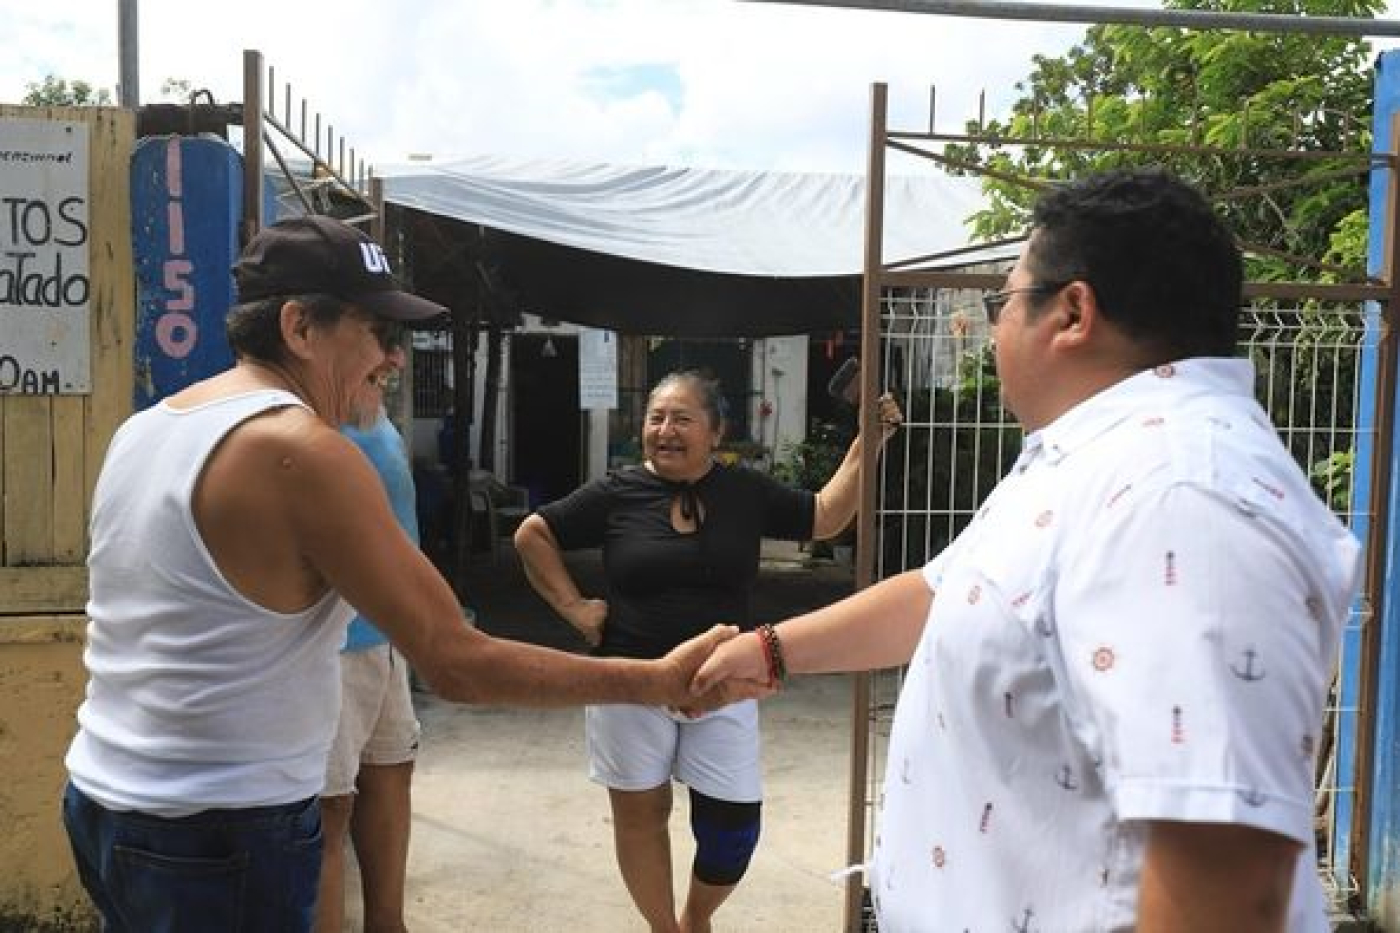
[368, 776]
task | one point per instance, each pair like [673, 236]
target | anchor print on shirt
[1113, 499]
[1066, 779]
[1253, 797]
[1022, 924]
[1268, 487]
[1246, 668]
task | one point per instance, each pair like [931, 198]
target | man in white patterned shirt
[1112, 708]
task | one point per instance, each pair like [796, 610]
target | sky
[704, 83]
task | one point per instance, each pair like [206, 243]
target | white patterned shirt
[1140, 623]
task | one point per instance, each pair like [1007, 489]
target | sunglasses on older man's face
[390, 334]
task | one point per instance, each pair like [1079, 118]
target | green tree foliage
[1127, 84]
[1254, 95]
[810, 462]
[54, 91]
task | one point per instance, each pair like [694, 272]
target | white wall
[780, 387]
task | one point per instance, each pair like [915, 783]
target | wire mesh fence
[936, 355]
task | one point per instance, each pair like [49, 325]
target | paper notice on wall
[45, 295]
[597, 368]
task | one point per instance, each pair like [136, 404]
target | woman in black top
[680, 538]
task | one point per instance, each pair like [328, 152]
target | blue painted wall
[187, 195]
[1383, 880]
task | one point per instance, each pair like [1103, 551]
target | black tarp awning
[635, 297]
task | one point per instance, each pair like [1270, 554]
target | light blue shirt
[384, 448]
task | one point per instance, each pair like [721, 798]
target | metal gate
[1326, 373]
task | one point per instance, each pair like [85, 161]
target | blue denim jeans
[252, 870]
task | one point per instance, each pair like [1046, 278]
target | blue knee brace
[726, 834]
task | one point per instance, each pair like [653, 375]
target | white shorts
[377, 722]
[642, 747]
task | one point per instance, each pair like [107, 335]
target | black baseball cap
[316, 254]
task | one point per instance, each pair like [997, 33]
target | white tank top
[197, 697]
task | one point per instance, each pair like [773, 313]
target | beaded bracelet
[767, 654]
[772, 653]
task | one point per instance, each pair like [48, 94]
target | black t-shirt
[665, 586]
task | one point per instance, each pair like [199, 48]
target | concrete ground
[510, 835]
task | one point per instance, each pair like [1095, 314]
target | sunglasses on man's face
[993, 302]
[390, 334]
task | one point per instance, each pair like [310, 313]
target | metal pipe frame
[252, 144]
[1095, 15]
[1377, 550]
[1285, 291]
[866, 544]
[256, 143]
[287, 171]
[1362, 159]
[128, 54]
[1361, 162]
[316, 160]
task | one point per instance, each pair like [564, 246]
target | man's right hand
[588, 617]
[681, 664]
[737, 670]
[721, 690]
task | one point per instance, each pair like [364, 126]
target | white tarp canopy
[740, 222]
[680, 251]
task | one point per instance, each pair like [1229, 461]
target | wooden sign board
[45, 233]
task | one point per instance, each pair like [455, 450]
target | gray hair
[706, 389]
[254, 328]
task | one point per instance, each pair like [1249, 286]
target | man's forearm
[876, 628]
[481, 669]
